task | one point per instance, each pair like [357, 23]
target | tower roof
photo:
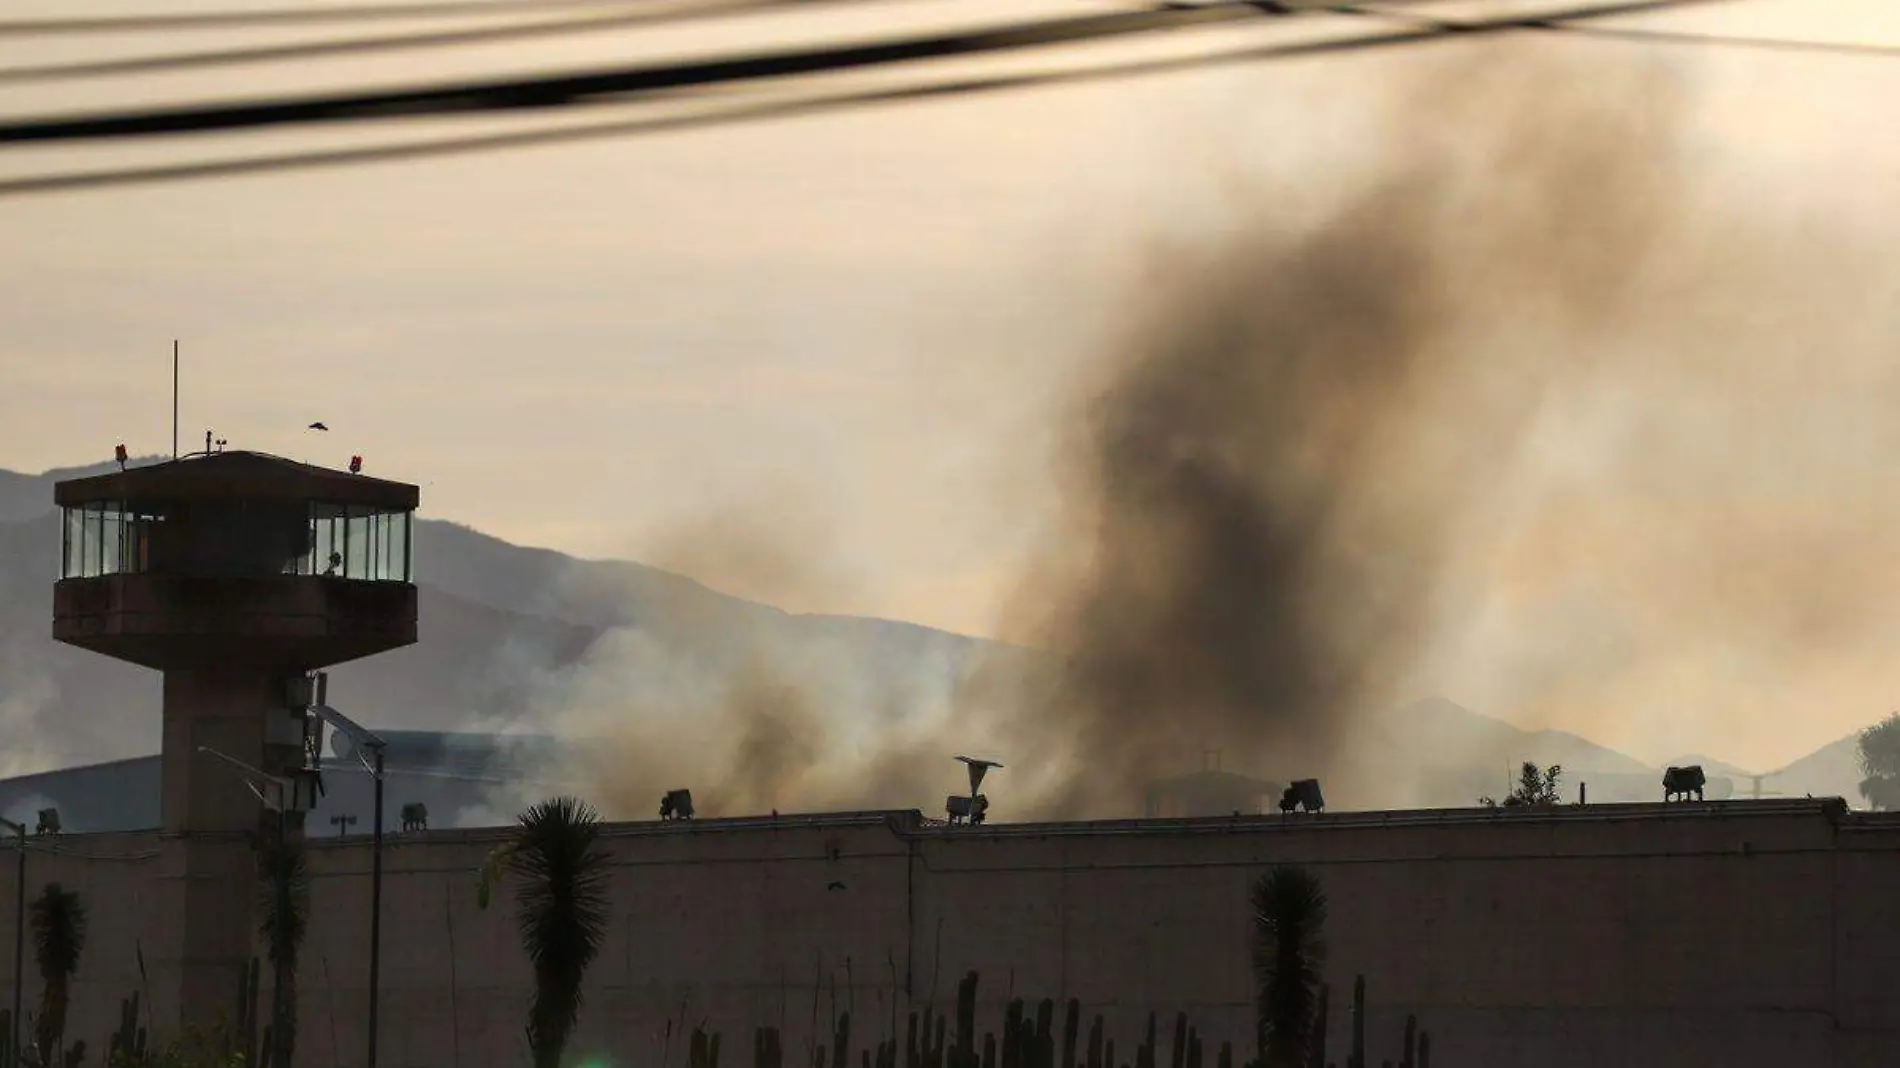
[237, 476]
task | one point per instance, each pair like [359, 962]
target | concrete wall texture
[1729, 934]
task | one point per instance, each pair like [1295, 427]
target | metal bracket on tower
[365, 742]
[278, 793]
[303, 695]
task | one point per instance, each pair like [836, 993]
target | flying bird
[318, 426]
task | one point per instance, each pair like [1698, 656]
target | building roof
[236, 476]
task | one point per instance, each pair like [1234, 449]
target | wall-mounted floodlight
[978, 769]
[974, 807]
[415, 817]
[677, 805]
[1303, 794]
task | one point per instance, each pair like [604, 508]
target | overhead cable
[1771, 44]
[617, 18]
[631, 82]
[615, 84]
[301, 50]
[256, 18]
[1645, 35]
[780, 109]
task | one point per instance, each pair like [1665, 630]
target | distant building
[466, 780]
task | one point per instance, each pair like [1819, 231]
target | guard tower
[235, 574]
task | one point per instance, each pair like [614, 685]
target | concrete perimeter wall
[1731, 934]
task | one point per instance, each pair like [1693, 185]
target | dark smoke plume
[1264, 499]
[1276, 500]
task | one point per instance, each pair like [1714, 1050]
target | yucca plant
[283, 899]
[59, 937]
[1289, 951]
[561, 908]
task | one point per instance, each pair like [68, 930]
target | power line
[569, 89]
[167, 61]
[393, 42]
[306, 16]
[1630, 33]
[624, 83]
[1723, 40]
[463, 145]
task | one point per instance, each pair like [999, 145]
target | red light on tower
[356, 465]
[118, 453]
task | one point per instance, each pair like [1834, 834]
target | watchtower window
[355, 542]
[235, 539]
[109, 538]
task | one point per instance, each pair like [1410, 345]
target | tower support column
[210, 821]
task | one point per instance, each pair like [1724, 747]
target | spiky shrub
[561, 909]
[195, 1047]
[59, 937]
[1289, 951]
[283, 908]
[1536, 788]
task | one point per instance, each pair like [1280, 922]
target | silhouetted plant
[59, 937]
[1878, 750]
[240, 1034]
[127, 1045]
[1027, 1040]
[193, 1047]
[1357, 1059]
[1535, 788]
[283, 919]
[1289, 950]
[561, 908]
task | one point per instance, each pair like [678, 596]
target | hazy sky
[843, 333]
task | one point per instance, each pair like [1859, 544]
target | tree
[561, 909]
[283, 890]
[1879, 752]
[59, 937]
[1289, 951]
[1534, 788]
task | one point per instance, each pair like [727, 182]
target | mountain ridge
[505, 625]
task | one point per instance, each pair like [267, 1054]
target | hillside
[1452, 756]
[521, 637]
[506, 632]
[1832, 770]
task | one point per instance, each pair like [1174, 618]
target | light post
[19, 939]
[376, 905]
[361, 739]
